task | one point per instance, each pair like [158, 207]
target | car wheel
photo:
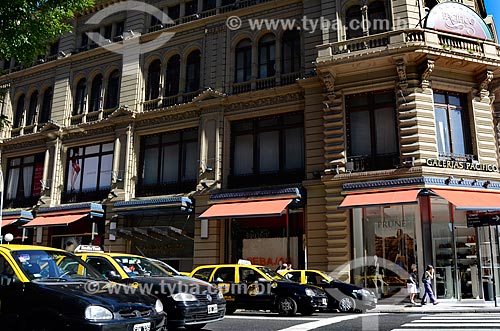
[287, 306]
[195, 326]
[347, 305]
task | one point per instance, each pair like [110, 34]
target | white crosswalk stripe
[454, 322]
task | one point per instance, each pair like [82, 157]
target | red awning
[380, 198]
[471, 200]
[55, 220]
[247, 209]
[6, 222]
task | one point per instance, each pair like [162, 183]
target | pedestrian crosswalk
[454, 322]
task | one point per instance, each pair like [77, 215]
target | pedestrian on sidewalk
[427, 278]
[412, 284]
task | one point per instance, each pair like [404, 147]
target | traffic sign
[477, 219]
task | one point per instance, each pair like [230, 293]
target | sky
[493, 8]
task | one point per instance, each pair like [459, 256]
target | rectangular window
[169, 163]
[89, 169]
[372, 137]
[191, 8]
[452, 125]
[24, 176]
[267, 150]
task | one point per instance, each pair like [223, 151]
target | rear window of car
[203, 274]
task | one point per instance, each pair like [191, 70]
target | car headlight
[184, 297]
[309, 292]
[220, 295]
[158, 306]
[98, 313]
[362, 292]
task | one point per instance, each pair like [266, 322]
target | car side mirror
[112, 275]
[262, 280]
[325, 281]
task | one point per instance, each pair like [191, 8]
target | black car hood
[106, 294]
[175, 284]
[300, 287]
[344, 287]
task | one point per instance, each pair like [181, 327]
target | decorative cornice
[91, 207]
[401, 69]
[175, 201]
[87, 132]
[377, 184]
[328, 80]
[13, 145]
[256, 194]
[263, 102]
[168, 118]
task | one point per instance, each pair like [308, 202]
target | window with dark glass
[95, 93]
[89, 168]
[23, 179]
[452, 124]
[113, 90]
[153, 80]
[372, 131]
[227, 2]
[377, 18]
[243, 61]
[46, 110]
[172, 76]
[108, 30]
[174, 12]
[54, 48]
[291, 52]
[84, 40]
[30, 117]
[267, 56]
[169, 162]
[430, 3]
[209, 4]
[80, 97]
[268, 146]
[6, 64]
[119, 28]
[354, 22]
[18, 116]
[191, 8]
[193, 71]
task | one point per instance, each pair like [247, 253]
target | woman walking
[427, 278]
[413, 284]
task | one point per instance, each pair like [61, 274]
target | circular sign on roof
[457, 18]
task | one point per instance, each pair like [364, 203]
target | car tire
[195, 326]
[347, 305]
[287, 306]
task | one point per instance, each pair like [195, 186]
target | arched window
[193, 71]
[267, 56]
[30, 118]
[243, 61]
[95, 93]
[354, 22]
[113, 90]
[18, 116]
[172, 76]
[291, 59]
[80, 95]
[377, 18]
[46, 110]
[153, 81]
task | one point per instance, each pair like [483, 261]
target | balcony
[405, 41]
[84, 196]
[274, 178]
[361, 163]
[265, 83]
[165, 188]
[21, 203]
[163, 102]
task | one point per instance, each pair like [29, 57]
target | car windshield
[141, 266]
[171, 270]
[47, 265]
[271, 273]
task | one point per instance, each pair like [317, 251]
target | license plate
[324, 301]
[142, 327]
[212, 309]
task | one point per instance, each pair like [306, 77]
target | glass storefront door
[489, 252]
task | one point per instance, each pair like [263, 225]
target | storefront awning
[7, 222]
[56, 220]
[470, 200]
[266, 208]
[380, 198]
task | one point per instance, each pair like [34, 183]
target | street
[347, 322]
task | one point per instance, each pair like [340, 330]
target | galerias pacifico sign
[461, 165]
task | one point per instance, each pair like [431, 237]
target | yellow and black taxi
[252, 287]
[342, 296]
[188, 302]
[44, 288]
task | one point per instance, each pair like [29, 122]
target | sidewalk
[444, 306]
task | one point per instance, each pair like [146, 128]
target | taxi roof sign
[87, 248]
[244, 262]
